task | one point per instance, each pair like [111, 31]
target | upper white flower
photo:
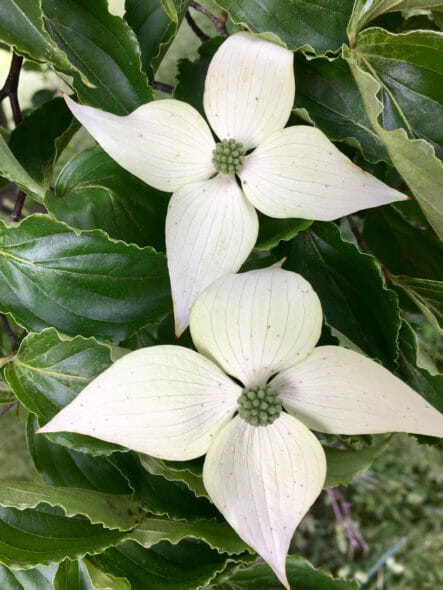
[211, 225]
[263, 468]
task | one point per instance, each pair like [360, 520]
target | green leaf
[171, 8]
[327, 96]
[80, 283]
[93, 192]
[21, 25]
[38, 140]
[11, 169]
[367, 10]
[190, 564]
[316, 26]
[408, 68]
[102, 581]
[43, 535]
[403, 247]
[161, 497]
[113, 511]
[301, 576]
[104, 48]
[218, 535]
[414, 159]
[188, 472]
[272, 231]
[49, 371]
[344, 465]
[355, 301]
[39, 578]
[155, 28]
[72, 575]
[61, 466]
[429, 386]
[427, 296]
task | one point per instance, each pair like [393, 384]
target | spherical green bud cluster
[228, 156]
[259, 405]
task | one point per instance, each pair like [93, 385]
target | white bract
[261, 328]
[211, 225]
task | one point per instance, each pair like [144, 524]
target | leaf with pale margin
[113, 511]
[103, 47]
[49, 371]
[39, 578]
[94, 192]
[188, 472]
[218, 535]
[414, 159]
[72, 575]
[80, 283]
[343, 465]
[11, 169]
[319, 27]
[103, 581]
[427, 296]
[43, 536]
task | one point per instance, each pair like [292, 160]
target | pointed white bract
[210, 230]
[293, 172]
[264, 480]
[339, 391]
[174, 403]
[249, 89]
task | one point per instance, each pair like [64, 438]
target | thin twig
[7, 407]
[342, 511]
[218, 22]
[19, 202]
[200, 34]
[9, 332]
[10, 87]
[163, 87]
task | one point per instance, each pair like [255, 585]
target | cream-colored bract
[296, 172]
[175, 403]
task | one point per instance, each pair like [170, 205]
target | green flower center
[228, 156]
[259, 405]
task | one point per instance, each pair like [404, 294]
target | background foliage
[83, 279]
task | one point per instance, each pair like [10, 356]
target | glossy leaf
[327, 95]
[38, 140]
[112, 511]
[186, 566]
[188, 472]
[42, 536]
[155, 28]
[272, 231]
[104, 581]
[39, 578]
[80, 283]
[427, 296]
[217, 535]
[345, 464]
[70, 575]
[319, 26]
[103, 47]
[92, 191]
[355, 302]
[49, 371]
[11, 169]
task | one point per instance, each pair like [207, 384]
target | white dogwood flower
[211, 225]
[263, 467]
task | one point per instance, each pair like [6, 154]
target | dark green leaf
[404, 248]
[39, 578]
[41, 536]
[11, 169]
[49, 371]
[301, 576]
[38, 140]
[157, 495]
[186, 566]
[273, 231]
[355, 301]
[61, 466]
[80, 283]
[344, 465]
[113, 511]
[104, 48]
[218, 535]
[155, 30]
[327, 95]
[93, 192]
[72, 575]
[317, 26]
[427, 296]
[188, 472]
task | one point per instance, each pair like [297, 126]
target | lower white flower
[211, 225]
[263, 468]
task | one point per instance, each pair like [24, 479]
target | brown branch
[342, 512]
[200, 34]
[218, 22]
[7, 407]
[10, 87]
[163, 87]
[19, 202]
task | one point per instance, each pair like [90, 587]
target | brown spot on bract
[245, 182]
